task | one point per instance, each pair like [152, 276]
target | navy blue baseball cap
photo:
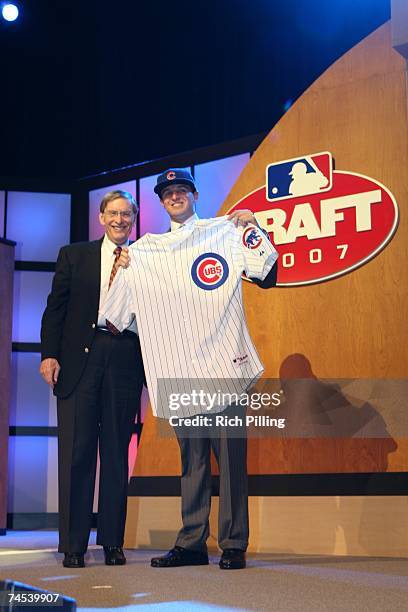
[174, 175]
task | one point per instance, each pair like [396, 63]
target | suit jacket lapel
[92, 271]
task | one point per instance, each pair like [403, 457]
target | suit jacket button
[93, 325]
[86, 349]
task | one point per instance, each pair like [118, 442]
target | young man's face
[118, 219]
[179, 201]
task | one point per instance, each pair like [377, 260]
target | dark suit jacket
[70, 318]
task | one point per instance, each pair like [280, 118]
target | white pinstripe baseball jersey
[185, 289]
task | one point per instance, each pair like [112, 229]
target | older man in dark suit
[97, 378]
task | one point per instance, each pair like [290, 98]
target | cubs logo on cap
[174, 175]
[251, 238]
[209, 271]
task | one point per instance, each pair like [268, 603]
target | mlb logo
[299, 176]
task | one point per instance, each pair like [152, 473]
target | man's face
[179, 201]
[118, 219]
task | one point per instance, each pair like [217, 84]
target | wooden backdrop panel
[353, 326]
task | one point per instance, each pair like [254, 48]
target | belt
[125, 332]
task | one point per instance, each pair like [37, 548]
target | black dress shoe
[114, 555]
[233, 558]
[179, 556]
[73, 560]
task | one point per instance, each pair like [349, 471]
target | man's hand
[49, 370]
[243, 218]
[124, 259]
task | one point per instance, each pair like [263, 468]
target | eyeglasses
[115, 214]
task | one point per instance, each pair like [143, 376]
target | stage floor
[278, 582]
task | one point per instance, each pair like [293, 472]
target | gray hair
[114, 195]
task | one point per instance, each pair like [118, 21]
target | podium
[6, 314]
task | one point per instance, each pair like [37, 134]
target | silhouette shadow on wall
[326, 429]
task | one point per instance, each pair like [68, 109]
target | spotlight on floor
[9, 11]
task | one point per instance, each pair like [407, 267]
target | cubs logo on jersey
[251, 238]
[299, 176]
[209, 271]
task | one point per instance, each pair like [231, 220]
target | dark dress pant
[230, 449]
[101, 411]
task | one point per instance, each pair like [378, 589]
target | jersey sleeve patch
[252, 238]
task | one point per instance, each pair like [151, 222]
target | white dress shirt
[175, 225]
[107, 260]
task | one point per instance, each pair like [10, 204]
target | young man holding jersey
[185, 289]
